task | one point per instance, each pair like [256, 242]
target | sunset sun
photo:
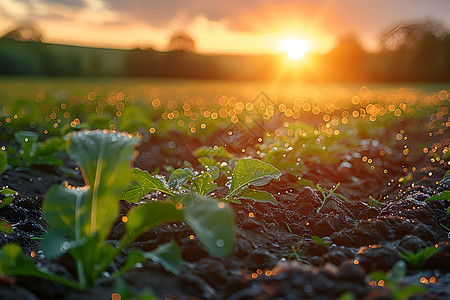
[295, 48]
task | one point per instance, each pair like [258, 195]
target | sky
[231, 26]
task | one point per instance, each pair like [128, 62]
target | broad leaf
[9, 196]
[444, 195]
[320, 241]
[219, 152]
[214, 171]
[179, 176]
[148, 215]
[205, 184]
[208, 161]
[259, 196]
[149, 183]
[66, 208]
[168, 255]
[211, 220]
[13, 262]
[5, 227]
[55, 242]
[104, 159]
[27, 141]
[133, 193]
[251, 172]
[3, 161]
[446, 179]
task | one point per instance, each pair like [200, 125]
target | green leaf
[104, 160]
[446, 178]
[27, 141]
[151, 214]
[149, 183]
[214, 171]
[133, 193]
[444, 195]
[417, 260]
[407, 291]
[251, 172]
[179, 176]
[55, 242]
[13, 262]
[8, 192]
[219, 152]
[50, 146]
[122, 288]
[207, 161]
[320, 241]
[212, 222]
[6, 201]
[204, 183]
[5, 227]
[3, 161]
[168, 255]
[259, 196]
[306, 182]
[67, 209]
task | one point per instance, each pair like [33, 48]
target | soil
[263, 264]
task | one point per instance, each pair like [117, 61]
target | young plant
[8, 198]
[80, 218]
[215, 156]
[247, 172]
[375, 202]
[202, 184]
[33, 152]
[325, 196]
[252, 172]
[417, 260]
[320, 241]
[393, 281]
[3, 161]
[444, 195]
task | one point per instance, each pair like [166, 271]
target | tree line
[414, 52]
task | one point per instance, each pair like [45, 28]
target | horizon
[253, 27]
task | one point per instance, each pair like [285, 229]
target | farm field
[285, 190]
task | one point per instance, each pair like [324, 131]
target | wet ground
[275, 256]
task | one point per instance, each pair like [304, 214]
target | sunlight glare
[295, 48]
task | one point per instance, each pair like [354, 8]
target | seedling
[295, 254]
[325, 196]
[80, 219]
[3, 161]
[9, 196]
[418, 259]
[252, 172]
[393, 281]
[444, 195]
[33, 152]
[320, 241]
[376, 202]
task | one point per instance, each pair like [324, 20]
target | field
[285, 190]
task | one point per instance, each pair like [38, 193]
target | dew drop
[220, 243]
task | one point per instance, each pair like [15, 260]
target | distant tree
[181, 41]
[26, 33]
[408, 36]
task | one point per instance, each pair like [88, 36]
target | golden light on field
[295, 48]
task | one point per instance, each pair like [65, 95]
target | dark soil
[263, 264]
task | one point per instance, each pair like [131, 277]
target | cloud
[334, 18]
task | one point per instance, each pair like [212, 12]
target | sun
[295, 48]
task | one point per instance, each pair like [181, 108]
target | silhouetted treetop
[25, 33]
[408, 36]
[181, 41]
